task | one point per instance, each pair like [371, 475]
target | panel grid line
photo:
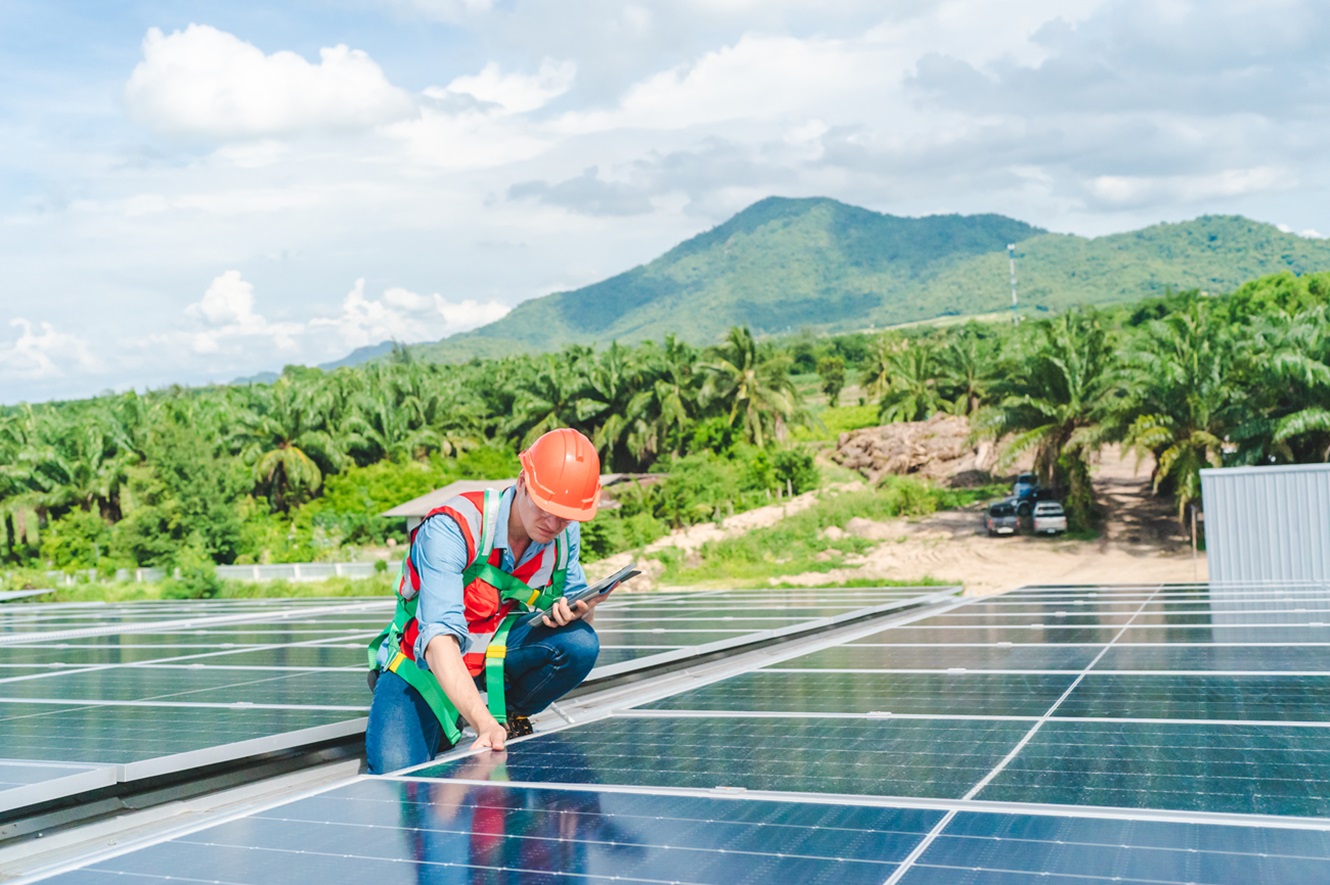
[1006, 760]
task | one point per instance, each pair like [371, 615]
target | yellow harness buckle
[396, 662]
[496, 651]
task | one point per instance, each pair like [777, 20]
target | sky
[195, 192]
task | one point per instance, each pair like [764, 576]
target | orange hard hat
[562, 473]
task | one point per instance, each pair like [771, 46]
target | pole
[1011, 258]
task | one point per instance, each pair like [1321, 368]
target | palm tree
[605, 405]
[1286, 369]
[911, 390]
[286, 440]
[755, 386]
[667, 402]
[967, 365]
[1060, 401]
[1182, 403]
[548, 395]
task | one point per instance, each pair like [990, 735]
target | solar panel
[983, 743]
[998, 848]
[865, 691]
[385, 831]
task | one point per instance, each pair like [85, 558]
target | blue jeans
[542, 665]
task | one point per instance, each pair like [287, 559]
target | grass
[800, 543]
[112, 591]
[837, 420]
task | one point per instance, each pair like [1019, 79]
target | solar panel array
[93, 695]
[1051, 735]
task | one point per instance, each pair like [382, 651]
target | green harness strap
[510, 588]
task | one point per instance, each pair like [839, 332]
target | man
[474, 563]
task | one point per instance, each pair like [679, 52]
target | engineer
[473, 565]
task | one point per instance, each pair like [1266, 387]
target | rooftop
[1051, 734]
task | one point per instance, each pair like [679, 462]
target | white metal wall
[1267, 523]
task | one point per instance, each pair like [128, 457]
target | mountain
[785, 264]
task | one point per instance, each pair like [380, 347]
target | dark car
[1001, 519]
[1027, 484]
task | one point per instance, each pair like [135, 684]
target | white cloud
[43, 353]
[402, 315]
[227, 313]
[1131, 190]
[228, 301]
[202, 81]
[513, 93]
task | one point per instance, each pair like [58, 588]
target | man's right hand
[491, 735]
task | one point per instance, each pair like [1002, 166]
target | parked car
[1049, 518]
[1001, 519]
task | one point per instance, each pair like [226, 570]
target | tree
[662, 410]
[756, 386]
[1059, 400]
[966, 366]
[1181, 402]
[284, 437]
[910, 392]
[831, 369]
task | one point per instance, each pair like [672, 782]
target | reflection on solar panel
[1173, 740]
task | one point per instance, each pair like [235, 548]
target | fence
[285, 571]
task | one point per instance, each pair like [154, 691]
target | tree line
[1186, 381]
[258, 471]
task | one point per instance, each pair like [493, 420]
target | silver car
[1049, 518]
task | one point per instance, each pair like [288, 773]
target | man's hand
[562, 614]
[490, 734]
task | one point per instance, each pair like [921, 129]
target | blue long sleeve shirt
[439, 555]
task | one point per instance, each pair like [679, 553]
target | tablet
[599, 588]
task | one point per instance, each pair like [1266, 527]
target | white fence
[297, 571]
[286, 571]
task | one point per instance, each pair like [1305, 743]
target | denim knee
[402, 730]
[580, 644]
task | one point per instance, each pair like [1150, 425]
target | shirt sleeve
[439, 555]
[575, 579]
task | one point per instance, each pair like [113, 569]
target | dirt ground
[1142, 543]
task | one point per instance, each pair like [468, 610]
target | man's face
[542, 527]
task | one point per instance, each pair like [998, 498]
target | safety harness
[519, 596]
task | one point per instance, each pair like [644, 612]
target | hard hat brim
[563, 511]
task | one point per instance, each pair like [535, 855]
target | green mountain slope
[785, 264]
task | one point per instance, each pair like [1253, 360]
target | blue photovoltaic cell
[942, 657]
[1062, 618]
[986, 848]
[1302, 659]
[940, 634]
[619, 654]
[901, 757]
[1210, 767]
[1200, 696]
[386, 832]
[1265, 633]
[123, 734]
[814, 691]
[197, 685]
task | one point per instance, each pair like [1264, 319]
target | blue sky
[195, 192]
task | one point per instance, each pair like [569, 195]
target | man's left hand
[562, 614]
